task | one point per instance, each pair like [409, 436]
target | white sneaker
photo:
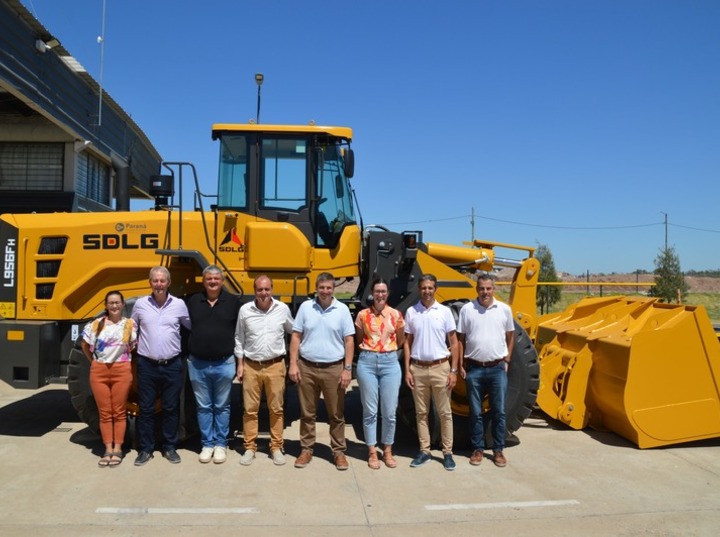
[247, 458]
[220, 455]
[206, 454]
[278, 458]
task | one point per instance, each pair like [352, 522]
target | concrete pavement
[557, 482]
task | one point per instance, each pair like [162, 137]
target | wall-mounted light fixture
[42, 45]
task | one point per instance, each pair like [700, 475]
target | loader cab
[294, 174]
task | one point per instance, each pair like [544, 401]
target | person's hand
[451, 380]
[240, 370]
[410, 380]
[345, 378]
[294, 372]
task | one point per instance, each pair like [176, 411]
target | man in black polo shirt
[211, 364]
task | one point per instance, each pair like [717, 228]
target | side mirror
[349, 163]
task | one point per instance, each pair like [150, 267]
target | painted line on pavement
[495, 505]
[177, 510]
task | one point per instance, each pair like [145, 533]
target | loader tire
[81, 396]
[523, 381]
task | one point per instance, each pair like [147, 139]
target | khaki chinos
[266, 375]
[319, 378]
[431, 383]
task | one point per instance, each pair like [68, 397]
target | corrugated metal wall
[65, 97]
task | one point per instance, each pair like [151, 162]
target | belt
[163, 362]
[428, 363]
[381, 353]
[491, 363]
[221, 359]
[266, 362]
[322, 365]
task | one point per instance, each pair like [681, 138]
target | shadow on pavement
[38, 414]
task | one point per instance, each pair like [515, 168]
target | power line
[583, 228]
[425, 221]
[547, 226]
[695, 228]
[515, 223]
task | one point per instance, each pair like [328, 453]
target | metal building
[65, 144]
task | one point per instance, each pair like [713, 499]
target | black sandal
[105, 460]
[115, 459]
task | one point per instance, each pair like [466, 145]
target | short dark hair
[486, 276]
[427, 278]
[325, 277]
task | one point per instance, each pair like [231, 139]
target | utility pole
[472, 225]
[666, 229]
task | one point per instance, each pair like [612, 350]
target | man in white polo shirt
[431, 367]
[486, 333]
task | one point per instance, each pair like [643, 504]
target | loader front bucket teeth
[645, 370]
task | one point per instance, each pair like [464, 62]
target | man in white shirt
[431, 367]
[486, 333]
[260, 350]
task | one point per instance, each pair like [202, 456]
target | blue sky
[572, 123]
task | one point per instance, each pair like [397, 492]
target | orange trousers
[110, 385]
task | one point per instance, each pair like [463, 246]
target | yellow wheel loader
[284, 206]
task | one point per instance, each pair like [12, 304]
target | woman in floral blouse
[107, 343]
[379, 334]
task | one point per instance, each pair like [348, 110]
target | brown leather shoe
[499, 459]
[476, 457]
[304, 459]
[341, 462]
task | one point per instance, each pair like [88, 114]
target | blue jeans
[165, 382]
[379, 376]
[211, 382]
[493, 381]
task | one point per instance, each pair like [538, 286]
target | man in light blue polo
[321, 353]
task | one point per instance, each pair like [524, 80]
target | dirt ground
[696, 284]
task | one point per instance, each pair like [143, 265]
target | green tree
[669, 280]
[547, 295]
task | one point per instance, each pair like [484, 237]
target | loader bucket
[645, 370]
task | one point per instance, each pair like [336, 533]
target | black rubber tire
[81, 396]
[523, 380]
[188, 407]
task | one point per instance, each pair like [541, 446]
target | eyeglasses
[113, 303]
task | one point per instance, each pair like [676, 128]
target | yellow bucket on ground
[645, 370]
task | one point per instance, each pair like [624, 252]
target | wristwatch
[348, 367]
[453, 371]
